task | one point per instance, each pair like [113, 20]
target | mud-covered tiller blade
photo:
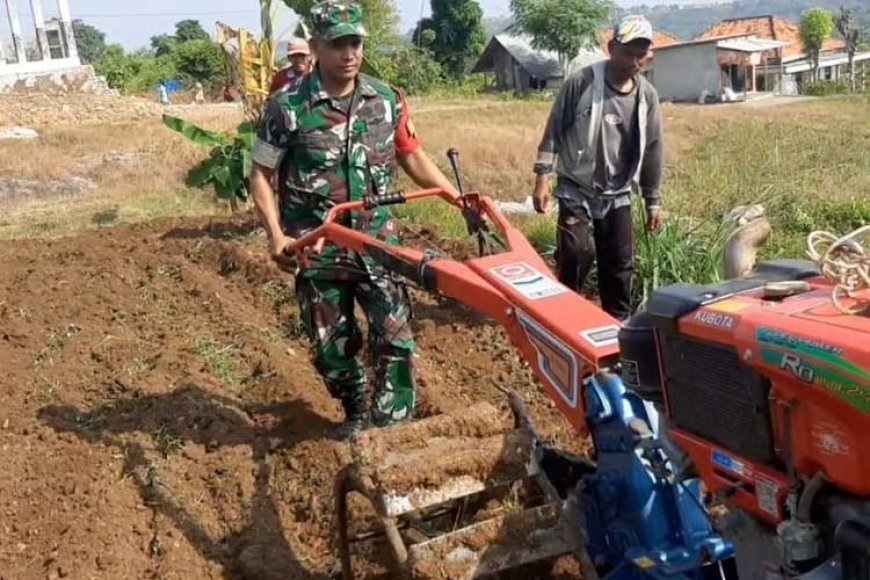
[457, 496]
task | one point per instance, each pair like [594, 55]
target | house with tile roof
[516, 65]
[712, 69]
[784, 71]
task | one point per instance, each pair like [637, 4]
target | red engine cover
[818, 361]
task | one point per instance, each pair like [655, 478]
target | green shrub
[200, 60]
[825, 88]
[135, 72]
[684, 250]
[141, 71]
[794, 219]
[411, 69]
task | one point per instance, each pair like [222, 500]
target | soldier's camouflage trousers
[327, 313]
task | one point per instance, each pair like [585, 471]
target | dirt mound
[160, 415]
[41, 109]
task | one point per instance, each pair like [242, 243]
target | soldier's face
[340, 58]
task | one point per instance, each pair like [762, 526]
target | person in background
[299, 65]
[199, 93]
[162, 93]
[604, 140]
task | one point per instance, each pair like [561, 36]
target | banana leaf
[246, 133]
[201, 174]
[247, 162]
[222, 176]
[194, 133]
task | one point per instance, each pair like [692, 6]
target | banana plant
[228, 166]
[250, 66]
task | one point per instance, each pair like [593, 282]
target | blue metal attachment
[641, 522]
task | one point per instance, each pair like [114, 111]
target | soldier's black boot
[356, 415]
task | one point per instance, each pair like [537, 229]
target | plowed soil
[159, 415]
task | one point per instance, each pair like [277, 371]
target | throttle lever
[453, 154]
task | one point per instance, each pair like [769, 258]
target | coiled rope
[845, 262]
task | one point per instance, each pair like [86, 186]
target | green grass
[810, 169]
[447, 222]
[168, 443]
[447, 219]
[222, 361]
[808, 166]
[56, 341]
[687, 251]
[62, 217]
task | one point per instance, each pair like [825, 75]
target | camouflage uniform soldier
[336, 135]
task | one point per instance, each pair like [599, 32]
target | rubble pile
[41, 110]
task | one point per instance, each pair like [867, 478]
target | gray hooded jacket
[572, 136]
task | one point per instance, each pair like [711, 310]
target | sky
[132, 24]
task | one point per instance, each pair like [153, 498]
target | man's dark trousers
[581, 240]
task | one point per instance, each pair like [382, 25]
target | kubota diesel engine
[766, 388]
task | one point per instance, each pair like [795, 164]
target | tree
[411, 68]
[454, 34]
[190, 30]
[380, 18]
[561, 26]
[817, 24]
[163, 44]
[115, 66]
[381, 21]
[136, 72]
[91, 42]
[200, 60]
[850, 33]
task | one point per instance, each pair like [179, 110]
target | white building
[54, 42]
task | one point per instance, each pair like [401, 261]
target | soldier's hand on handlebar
[281, 251]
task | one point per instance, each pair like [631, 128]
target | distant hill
[687, 21]
[635, 3]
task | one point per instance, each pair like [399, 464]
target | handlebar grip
[373, 201]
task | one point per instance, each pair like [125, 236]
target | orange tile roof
[769, 27]
[660, 38]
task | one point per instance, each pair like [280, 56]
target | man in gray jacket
[604, 140]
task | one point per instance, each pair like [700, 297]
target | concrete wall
[683, 73]
[72, 79]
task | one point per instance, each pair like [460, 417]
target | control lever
[453, 155]
[473, 220]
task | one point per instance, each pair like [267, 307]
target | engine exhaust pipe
[741, 248]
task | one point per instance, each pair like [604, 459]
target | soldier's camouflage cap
[332, 19]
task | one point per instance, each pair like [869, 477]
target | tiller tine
[458, 495]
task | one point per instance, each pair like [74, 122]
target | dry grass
[496, 140]
[716, 156]
[136, 170]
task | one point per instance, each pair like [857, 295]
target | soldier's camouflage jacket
[325, 157]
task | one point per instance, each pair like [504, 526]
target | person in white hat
[299, 65]
[604, 140]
